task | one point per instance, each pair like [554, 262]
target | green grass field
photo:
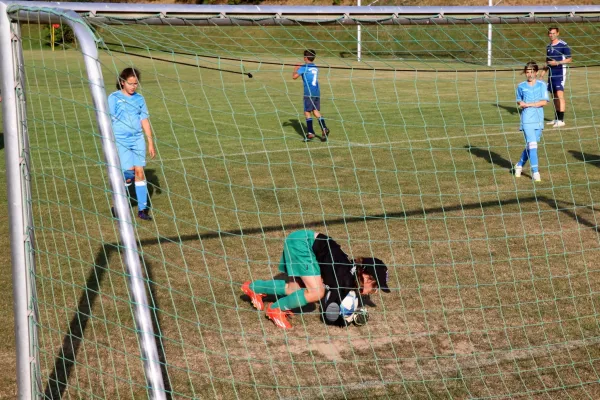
[494, 279]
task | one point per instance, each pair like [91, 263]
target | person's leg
[126, 159]
[554, 101]
[317, 113]
[313, 291]
[524, 158]
[533, 156]
[308, 108]
[139, 161]
[560, 103]
[258, 289]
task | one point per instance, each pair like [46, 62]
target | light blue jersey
[310, 78]
[532, 117]
[127, 114]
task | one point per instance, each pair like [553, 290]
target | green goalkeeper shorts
[298, 257]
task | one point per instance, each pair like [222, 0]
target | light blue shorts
[532, 134]
[132, 152]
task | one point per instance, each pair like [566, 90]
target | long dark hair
[126, 74]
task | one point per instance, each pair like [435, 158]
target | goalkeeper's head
[372, 274]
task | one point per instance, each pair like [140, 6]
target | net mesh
[494, 283]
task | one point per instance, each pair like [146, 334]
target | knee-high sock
[294, 300]
[276, 287]
[524, 157]
[533, 155]
[309, 125]
[141, 192]
[322, 123]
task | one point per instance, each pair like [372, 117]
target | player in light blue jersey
[312, 94]
[532, 96]
[558, 55]
[130, 122]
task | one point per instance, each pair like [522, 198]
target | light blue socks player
[530, 154]
[141, 192]
[524, 157]
[533, 156]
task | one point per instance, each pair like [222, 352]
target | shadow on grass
[513, 110]
[67, 356]
[490, 156]
[593, 159]
[66, 359]
[1, 140]
[297, 125]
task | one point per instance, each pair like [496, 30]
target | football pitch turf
[494, 279]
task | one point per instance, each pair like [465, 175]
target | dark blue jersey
[558, 52]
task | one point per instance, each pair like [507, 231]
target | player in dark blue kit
[558, 54]
[312, 94]
[532, 96]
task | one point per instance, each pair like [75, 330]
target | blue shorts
[532, 134]
[312, 104]
[132, 152]
[556, 83]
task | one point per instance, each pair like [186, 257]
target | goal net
[494, 280]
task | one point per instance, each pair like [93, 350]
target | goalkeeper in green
[315, 263]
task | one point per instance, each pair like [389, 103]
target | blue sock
[141, 192]
[322, 123]
[309, 126]
[533, 155]
[524, 157]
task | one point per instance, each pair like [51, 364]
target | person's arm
[554, 63]
[112, 103]
[297, 71]
[148, 131]
[519, 97]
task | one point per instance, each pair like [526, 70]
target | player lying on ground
[315, 264]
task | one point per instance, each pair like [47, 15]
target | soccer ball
[349, 304]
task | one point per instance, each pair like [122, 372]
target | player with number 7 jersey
[312, 94]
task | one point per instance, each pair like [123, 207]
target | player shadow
[297, 125]
[491, 157]
[153, 182]
[593, 159]
[511, 109]
[1, 141]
